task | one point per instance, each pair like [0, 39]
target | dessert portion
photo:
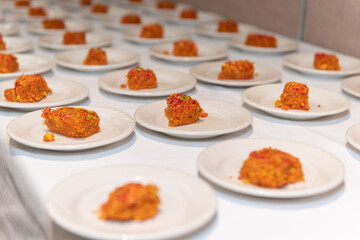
[261, 40]
[8, 63]
[152, 31]
[28, 88]
[2, 43]
[139, 78]
[21, 3]
[294, 96]
[165, 5]
[271, 168]
[188, 14]
[228, 26]
[323, 61]
[74, 38]
[53, 24]
[135, 1]
[48, 137]
[71, 122]
[182, 109]
[239, 70]
[185, 48]
[95, 56]
[85, 2]
[36, 11]
[99, 8]
[132, 201]
[131, 18]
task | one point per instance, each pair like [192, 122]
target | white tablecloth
[333, 215]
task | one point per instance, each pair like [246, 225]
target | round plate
[206, 52]
[29, 130]
[170, 34]
[202, 16]
[63, 92]
[304, 62]
[283, 44]
[223, 118]
[351, 85]
[208, 72]
[116, 58]
[210, 30]
[150, 7]
[115, 22]
[17, 45]
[168, 82]
[322, 102]
[22, 14]
[29, 64]
[353, 136]
[71, 25]
[72, 203]
[222, 162]
[7, 29]
[92, 40]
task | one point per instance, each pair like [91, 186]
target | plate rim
[28, 45]
[347, 89]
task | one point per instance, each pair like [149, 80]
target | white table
[333, 215]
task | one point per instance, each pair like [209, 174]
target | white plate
[208, 72]
[63, 92]
[7, 29]
[29, 130]
[223, 118]
[71, 25]
[151, 7]
[351, 85]
[29, 64]
[168, 82]
[353, 136]
[17, 45]
[322, 102]
[304, 62]
[72, 202]
[206, 52]
[115, 22]
[170, 34]
[92, 40]
[222, 162]
[202, 16]
[283, 44]
[22, 14]
[210, 30]
[116, 58]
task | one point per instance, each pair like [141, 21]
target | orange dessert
[228, 26]
[74, 38]
[188, 13]
[165, 5]
[36, 11]
[28, 88]
[99, 8]
[152, 31]
[22, 3]
[294, 96]
[2, 43]
[8, 63]
[95, 56]
[271, 168]
[239, 70]
[261, 40]
[48, 137]
[71, 122]
[131, 18]
[182, 109]
[139, 78]
[85, 2]
[325, 61]
[135, 1]
[53, 24]
[185, 48]
[133, 201]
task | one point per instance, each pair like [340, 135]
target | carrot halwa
[271, 168]
[185, 48]
[95, 56]
[261, 40]
[132, 201]
[2, 43]
[53, 24]
[22, 3]
[131, 18]
[182, 109]
[74, 38]
[28, 88]
[85, 2]
[294, 96]
[152, 31]
[36, 11]
[165, 5]
[71, 122]
[325, 61]
[239, 70]
[99, 8]
[48, 137]
[139, 78]
[8, 63]
[227, 26]
[188, 14]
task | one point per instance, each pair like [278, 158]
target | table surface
[332, 215]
